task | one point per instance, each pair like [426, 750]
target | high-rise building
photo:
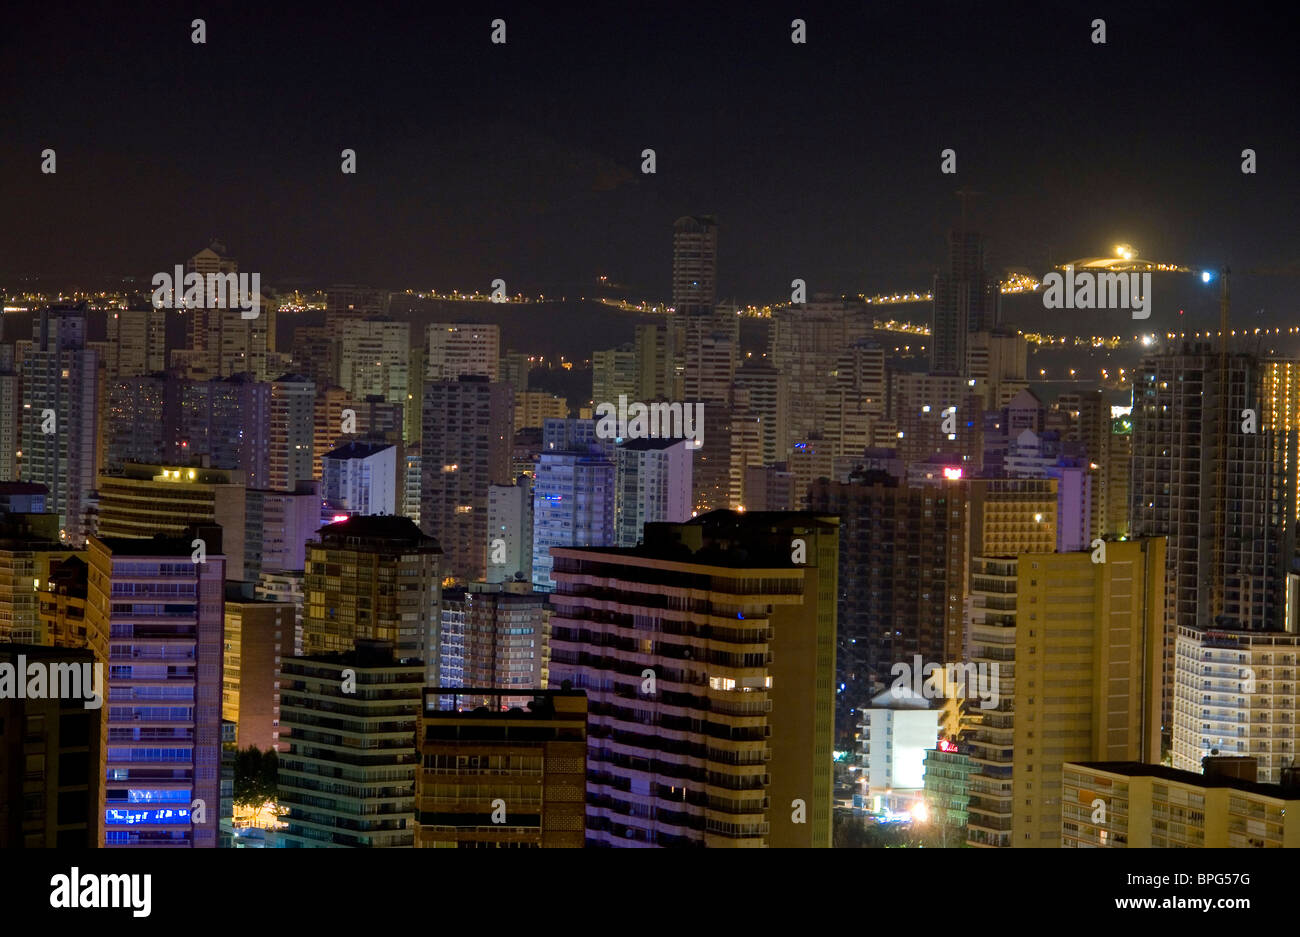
[936, 415]
[574, 500]
[51, 791]
[1236, 693]
[1087, 641]
[809, 343]
[502, 640]
[1224, 498]
[762, 391]
[997, 362]
[1154, 806]
[510, 531]
[277, 526]
[375, 578]
[62, 596]
[157, 499]
[346, 303]
[361, 477]
[163, 614]
[222, 423]
[654, 364]
[966, 300]
[652, 484]
[374, 359]
[695, 262]
[258, 634]
[535, 407]
[11, 412]
[770, 488]
[212, 260]
[315, 355]
[223, 340]
[293, 402]
[136, 342]
[464, 448]
[901, 576]
[613, 373]
[29, 547]
[531, 758]
[1012, 515]
[348, 776]
[708, 350]
[1068, 649]
[717, 738]
[455, 348]
[451, 638]
[60, 428]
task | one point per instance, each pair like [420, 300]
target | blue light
[119, 817]
[1206, 276]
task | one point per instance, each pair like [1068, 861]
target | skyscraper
[909, 545]
[223, 340]
[1235, 693]
[344, 303]
[966, 300]
[136, 341]
[51, 795]
[374, 359]
[574, 495]
[695, 262]
[362, 477]
[155, 499]
[60, 430]
[258, 634]
[464, 448]
[510, 521]
[163, 613]
[533, 760]
[1224, 498]
[348, 776]
[293, 428]
[652, 485]
[716, 735]
[502, 640]
[373, 578]
[456, 348]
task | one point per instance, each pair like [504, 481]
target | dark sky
[522, 161]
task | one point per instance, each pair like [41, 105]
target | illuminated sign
[953, 473]
[947, 746]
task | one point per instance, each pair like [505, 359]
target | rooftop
[357, 449]
[1137, 769]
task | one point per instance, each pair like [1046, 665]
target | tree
[256, 777]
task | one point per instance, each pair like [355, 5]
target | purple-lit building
[163, 612]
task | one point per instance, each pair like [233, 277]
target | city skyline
[643, 427]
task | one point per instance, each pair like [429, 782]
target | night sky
[522, 161]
